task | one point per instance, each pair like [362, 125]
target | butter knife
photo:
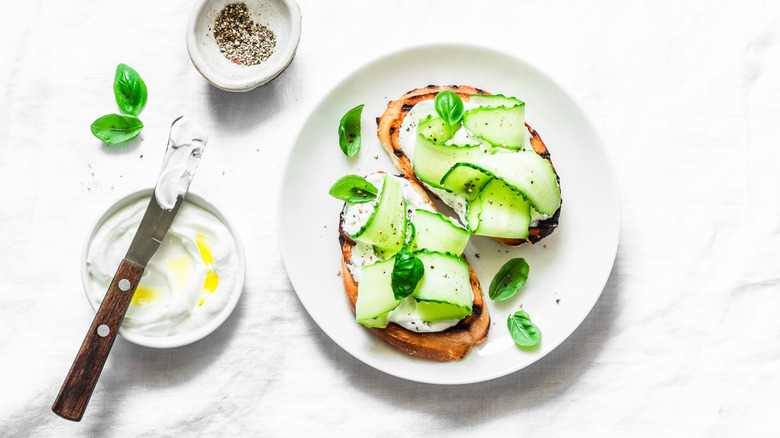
[182, 155]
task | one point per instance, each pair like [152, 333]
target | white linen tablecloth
[684, 340]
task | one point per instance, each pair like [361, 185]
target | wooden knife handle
[74, 395]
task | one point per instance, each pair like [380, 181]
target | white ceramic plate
[568, 269]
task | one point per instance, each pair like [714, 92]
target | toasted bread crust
[451, 344]
[389, 125]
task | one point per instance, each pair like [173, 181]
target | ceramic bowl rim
[201, 332]
[263, 75]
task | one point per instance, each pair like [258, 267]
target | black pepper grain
[241, 40]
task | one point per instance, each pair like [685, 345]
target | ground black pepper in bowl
[240, 39]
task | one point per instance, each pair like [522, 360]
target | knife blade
[182, 155]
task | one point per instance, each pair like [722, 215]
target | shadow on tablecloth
[532, 387]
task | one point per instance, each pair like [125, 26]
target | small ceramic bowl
[201, 331]
[283, 17]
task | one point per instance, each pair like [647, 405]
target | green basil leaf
[407, 272]
[129, 89]
[449, 107]
[509, 279]
[349, 131]
[115, 128]
[524, 332]
[411, 233]
[353, 188]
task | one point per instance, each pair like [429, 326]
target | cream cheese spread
[406, 316]
[187, 282]
[185, 147]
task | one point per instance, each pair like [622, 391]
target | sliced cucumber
[446, 281]
[473, 209]
[409, 238]
[375, 294]
[435, 129]
[436, 232]
[433, 160]
[494, 100]
[382, 253]
[501, 127]
[524, 171]
[386, 228]
[433, 312]
[502, 212]
[465, 181]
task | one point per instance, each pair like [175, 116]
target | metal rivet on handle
[124, 284]
[103, 330]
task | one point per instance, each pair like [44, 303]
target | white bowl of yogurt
[190, 286]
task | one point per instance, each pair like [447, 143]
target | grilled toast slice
[451, 344]
[389, 125]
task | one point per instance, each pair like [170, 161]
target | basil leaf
[523, 331]
[509, 279]
[129, 90]
[449, 107]
[349, 131]
[353, 188]
[411, 233]
[407, 272]
[115, 128]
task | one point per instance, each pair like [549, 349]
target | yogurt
[185, 147]
[188, 281]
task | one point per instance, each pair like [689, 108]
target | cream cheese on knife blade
[185, 146]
